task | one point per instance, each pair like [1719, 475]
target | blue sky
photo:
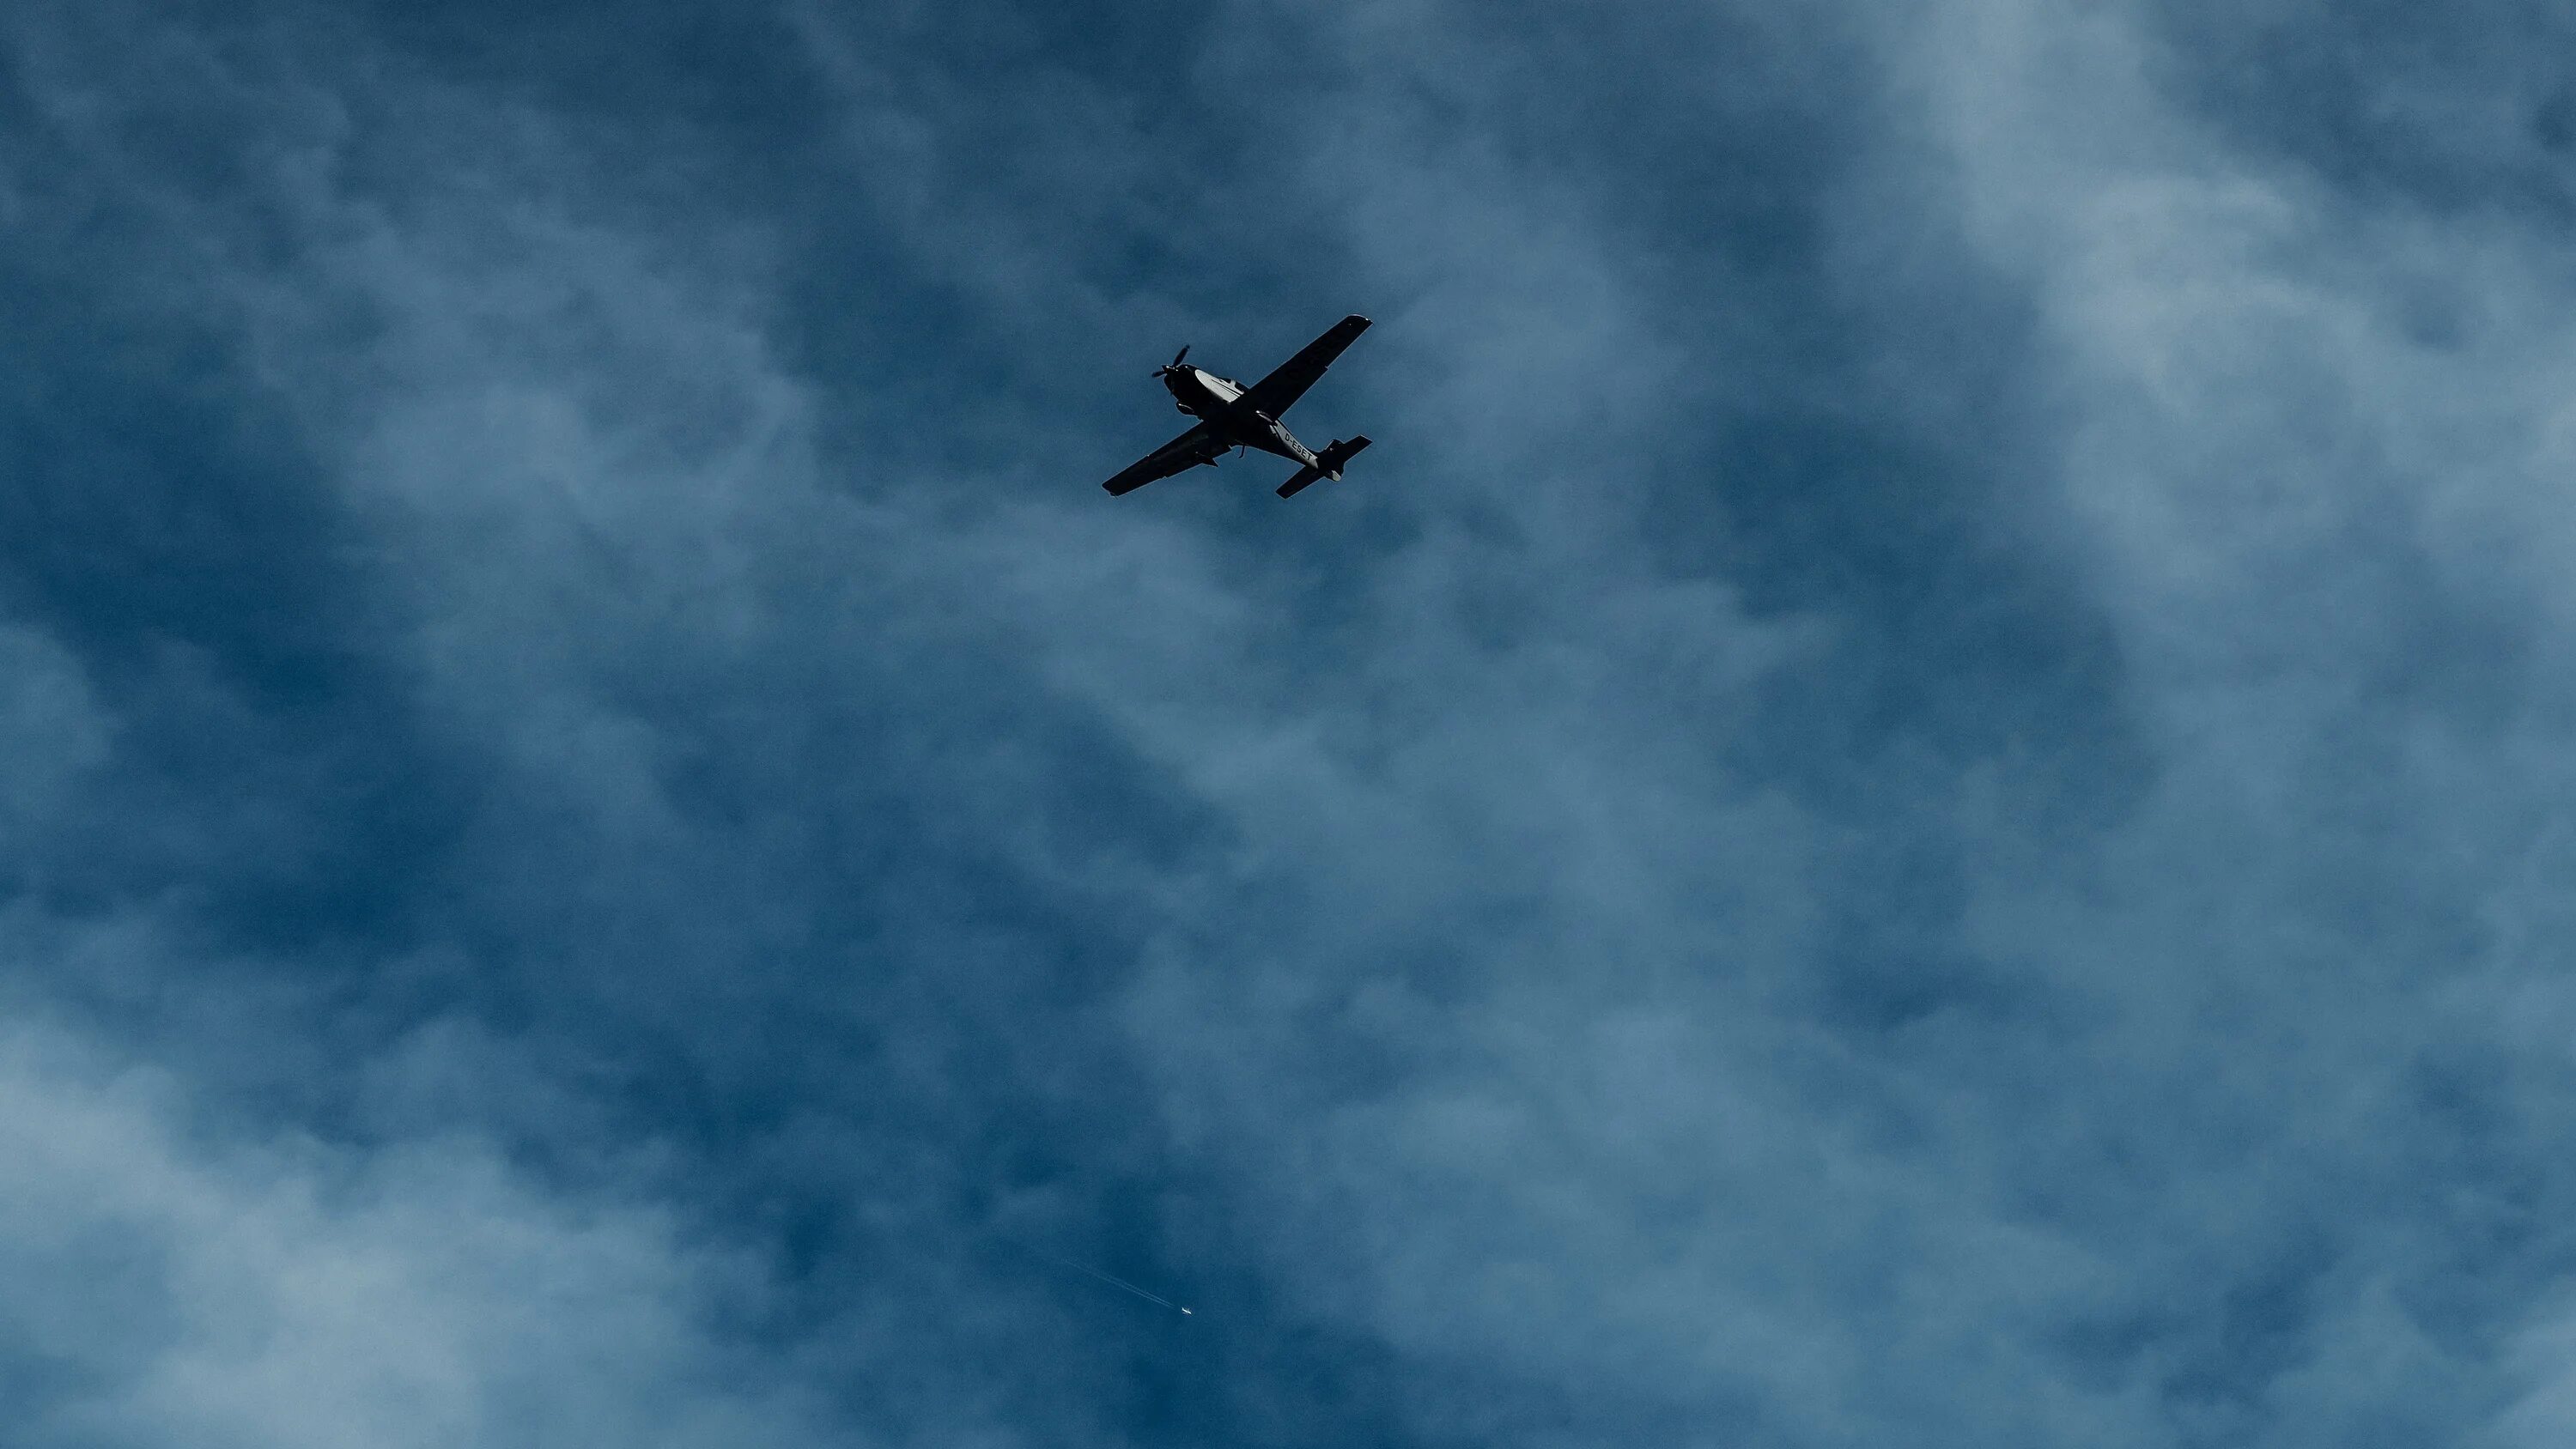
[1922, 794]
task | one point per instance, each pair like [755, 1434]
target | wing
[1272, 395]
[1185, 452]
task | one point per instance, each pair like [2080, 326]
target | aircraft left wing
[1272, 395]
[1190, 449]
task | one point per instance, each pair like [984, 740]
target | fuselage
[1219, 403]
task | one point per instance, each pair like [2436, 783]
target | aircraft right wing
[1190, 449]
[1289, 381]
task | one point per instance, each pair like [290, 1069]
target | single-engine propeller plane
[1232, 416]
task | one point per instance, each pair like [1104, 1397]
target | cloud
[52, 729]
[173, 1289]
[1915, 797]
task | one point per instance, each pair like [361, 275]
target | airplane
[1232, 416]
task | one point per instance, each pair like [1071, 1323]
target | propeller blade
[1177, 356]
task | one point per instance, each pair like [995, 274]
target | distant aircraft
[1234, 416]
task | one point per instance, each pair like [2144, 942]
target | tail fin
[1328, 464]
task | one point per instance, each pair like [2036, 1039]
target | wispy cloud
[1915, 796]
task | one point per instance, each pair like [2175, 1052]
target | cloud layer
[1920, 794]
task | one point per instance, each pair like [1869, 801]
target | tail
[1328, 464]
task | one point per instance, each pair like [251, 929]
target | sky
[1924, 793]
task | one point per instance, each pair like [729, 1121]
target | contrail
[1112, 1279]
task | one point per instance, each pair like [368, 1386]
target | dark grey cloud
[1920, 800]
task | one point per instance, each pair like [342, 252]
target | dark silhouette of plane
[1232, 416]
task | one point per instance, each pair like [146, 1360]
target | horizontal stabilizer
[1339, 453]
[1328, 464]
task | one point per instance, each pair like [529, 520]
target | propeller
[1175, 364]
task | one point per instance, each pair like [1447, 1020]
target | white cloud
[1498, 1009]
[181, 1285]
